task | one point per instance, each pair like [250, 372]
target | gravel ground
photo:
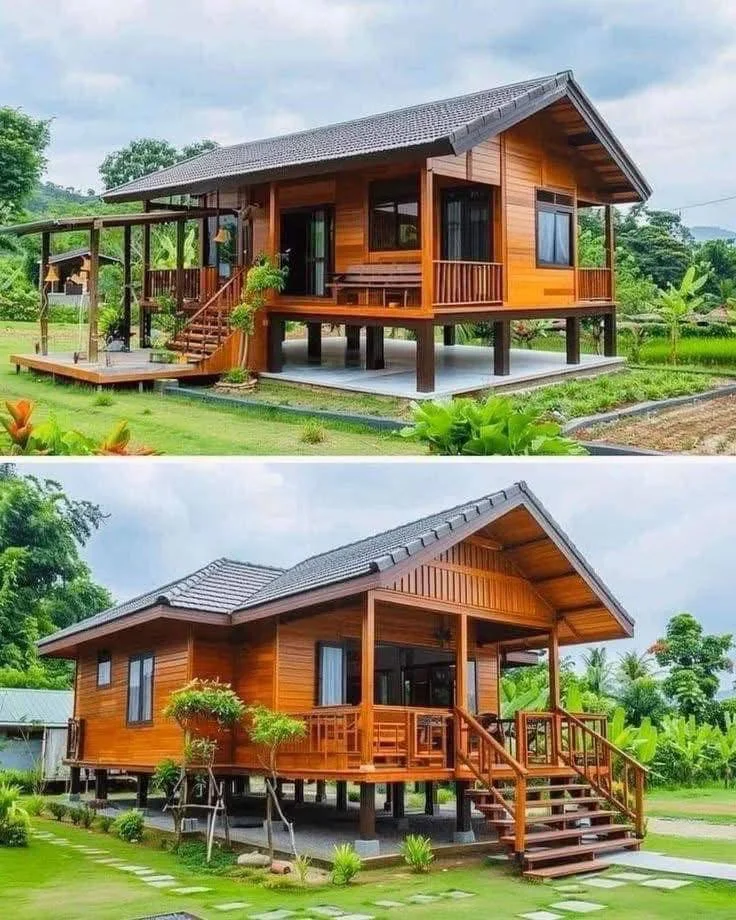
[681, 827]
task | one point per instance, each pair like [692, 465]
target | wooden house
[458, 211]
[390, 649]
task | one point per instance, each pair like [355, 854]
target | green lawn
[173, 426]
[702, 803]
[47, 881]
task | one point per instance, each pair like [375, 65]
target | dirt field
[707, 428]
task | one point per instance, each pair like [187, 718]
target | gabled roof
[431, 129]
[71, 254]
[20, 707]
[218, 587]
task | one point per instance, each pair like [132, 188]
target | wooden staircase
[559, 816]
[207, 331]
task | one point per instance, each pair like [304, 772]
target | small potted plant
[236, 380]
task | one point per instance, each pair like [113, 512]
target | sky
[108, 71]
[661, 535]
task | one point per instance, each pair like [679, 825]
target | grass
[47, 881]
[273, 392]
[174, 426]
[715, 850]
[713, 804]
[707, 352]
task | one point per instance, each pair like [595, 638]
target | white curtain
[331, 672]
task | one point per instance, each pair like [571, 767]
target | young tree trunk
[269, 819]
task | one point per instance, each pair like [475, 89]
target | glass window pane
[331, 675]
[134, 689]
[472, 688]
[394, 215]
[103, 671]
[562, 239]
[546, 237]
[147, 690]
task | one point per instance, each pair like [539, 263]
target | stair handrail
[635, 812]
[186, 328]
[518, 813]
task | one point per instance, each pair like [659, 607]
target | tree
[44, 582]
[660, 244]
[23, 142]
[695, 661]
[633, 666]
[145, 156]
[598, 671]
[677, 302]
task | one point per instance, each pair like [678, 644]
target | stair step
[554, 819]
[603, 830]
[553, 787]
[575, 868]
[557, 853]
[578, 800]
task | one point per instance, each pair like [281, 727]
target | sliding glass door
[466, 224]
[306, 244]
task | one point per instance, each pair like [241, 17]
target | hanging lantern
[222, 235]
[52, 275]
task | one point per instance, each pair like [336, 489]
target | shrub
[129, 826]
[86, 817]
[166, 776]
[444, 796]
[27, 781]
[193, 854]
[56, 809]
[236, 375]
[346, 864]
[103, 399]
[302, 865]
[417, 852]
[312, 432]
[205, 699]
[494, 427]
[353, 795]
[14, 822]
[34, 805]
[104, 823]
[415, 800]
[75, 814]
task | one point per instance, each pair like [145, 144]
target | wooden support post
[93, 293]
[367, 811]
[367, 678]
[610, 247]
[320, 794]
[553, 654]
[100, 784]
[341, 795]
[448, 335]
[181, 226]
[461, 661]
[463, 823]
[43, 287]
[425, 357]
[141, 791]
[298, 791]
[430, 798]
[314, 343]
[397, 800]
[502, 348]
[202, 242]
[75, 781]
[127, 283]
[144, 326]
[572, 339]
[609, 334]
[352, 346]
[374, 358]
[426, 180]
[275, 357]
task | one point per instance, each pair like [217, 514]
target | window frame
[343, 648]
[555, 207]
[466, 195]
[474, 683]
[330, 238]
[397, 199]
[140, 657]
[103, 657]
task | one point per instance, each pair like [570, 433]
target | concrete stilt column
[463, 825]
[75, 783]
[367, 845]
[342, 795]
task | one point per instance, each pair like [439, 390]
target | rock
[280, 868]
[254, 860]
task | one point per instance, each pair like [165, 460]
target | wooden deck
[123, 368]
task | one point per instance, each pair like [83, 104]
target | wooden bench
[393, 281]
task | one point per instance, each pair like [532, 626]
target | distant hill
[703, 234]
[49, 194]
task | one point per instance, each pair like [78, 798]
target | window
[472, 680]
[554, 229]
[307, 245]
[466, 225]
[104, 669]
[331, 689]
[140, 689]
[394, 215]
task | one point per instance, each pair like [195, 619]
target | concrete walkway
[658, 862]
[681, 827]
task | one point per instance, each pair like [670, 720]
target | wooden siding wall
[107, 737]
[255, 678]
[297, 655]
[477, 578]
[481, 164]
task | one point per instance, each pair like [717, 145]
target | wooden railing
[198, 283]
[409, 737]
[594, 284]
[211, 323]
[613, 773]
[467, 283]
[482, 755]
[75, 739]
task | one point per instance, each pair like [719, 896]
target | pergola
[156, 214]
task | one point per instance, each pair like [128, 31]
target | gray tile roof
[45, 707]
[219, 587]
[443, 127]
[78, 253]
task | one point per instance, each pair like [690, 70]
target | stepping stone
[160, 883]
[423, 898]
[325, 910]
[387, 905]
[79, 846]
[192, 889]
[108, 862]
[280, 914]
[577, 907]
[569, 889]
[631, 876]
[160, 878]
[459, 895]
[666, 884]
[541, 915]
[232, 905]
[603, 883]
[96, 852]
[130, 868]
[141, 873]
[357, 917]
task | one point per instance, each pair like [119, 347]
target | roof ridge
[188, 581]
[253, 565]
